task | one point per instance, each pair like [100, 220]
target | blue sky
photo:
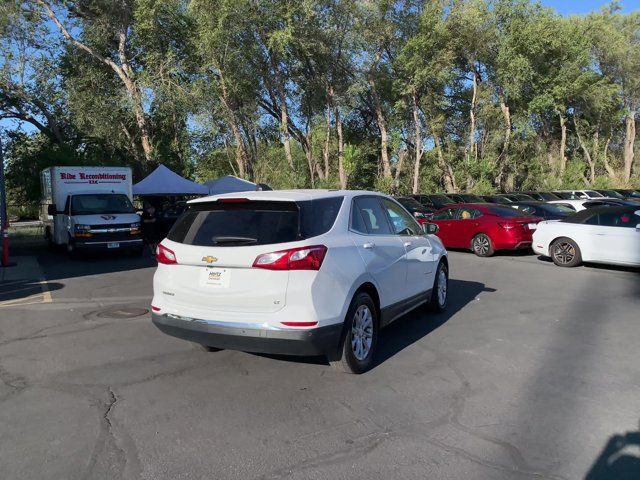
[568, 7]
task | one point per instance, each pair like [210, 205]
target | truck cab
[89, 208]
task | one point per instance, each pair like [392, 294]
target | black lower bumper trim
[316, 341]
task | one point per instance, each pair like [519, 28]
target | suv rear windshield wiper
[235, 240]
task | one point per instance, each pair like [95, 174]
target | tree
[106, 35]
[617, 51]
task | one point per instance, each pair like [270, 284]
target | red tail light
[507, 226]
[233, 200]
[165, 255]
[303, 258]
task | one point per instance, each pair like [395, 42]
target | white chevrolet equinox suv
[300, 272]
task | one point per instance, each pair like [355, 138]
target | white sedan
[608, 235]
[583, 204]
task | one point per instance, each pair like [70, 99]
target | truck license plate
[113, 245]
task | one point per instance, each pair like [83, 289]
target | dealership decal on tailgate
[217, 277]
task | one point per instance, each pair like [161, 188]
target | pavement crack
[359, 448]
[114, 454]
[460, 397]
[16, 383]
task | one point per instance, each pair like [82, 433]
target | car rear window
[505, 212]
[254, 222]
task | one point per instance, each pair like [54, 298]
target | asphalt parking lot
[531, 373]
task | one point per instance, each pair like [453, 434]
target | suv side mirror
[51, 209]
[430, 228]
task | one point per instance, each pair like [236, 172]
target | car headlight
[135, 226]
[82, 228]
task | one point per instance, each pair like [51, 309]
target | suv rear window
[254, 222]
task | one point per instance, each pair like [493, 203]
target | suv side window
[368, 217]
[448, 214]
[402, 222]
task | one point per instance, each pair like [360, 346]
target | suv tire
[440, 291]
[361, 336]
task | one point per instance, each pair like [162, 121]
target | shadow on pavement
[599, 266]
[410, 328]
[19, 289]
[618, 460]
[417, 324]
[58, 265]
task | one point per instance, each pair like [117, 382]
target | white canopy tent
[229, 184]
[165, 182]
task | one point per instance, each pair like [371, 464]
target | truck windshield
[98, 203]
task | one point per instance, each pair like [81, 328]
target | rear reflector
[155, 309]
[165, 255]
[300, 324]
[303, 258]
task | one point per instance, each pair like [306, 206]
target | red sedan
[484, 228]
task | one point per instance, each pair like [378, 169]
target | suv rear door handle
[369, 245]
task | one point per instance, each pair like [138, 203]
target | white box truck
[89, 208]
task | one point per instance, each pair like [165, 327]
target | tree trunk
[563, 145]
[629, 140]
[396, 182]
[284, 126]
[327, 142]
[472, 116]
[605, 158]
[417, 143]
[382, 126]
[504, 154]
[245, 167]
[284, 113]
[309, 154]
[342, 174]
[449, 180]
[587, 154]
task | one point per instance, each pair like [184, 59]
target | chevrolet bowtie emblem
[209, 259]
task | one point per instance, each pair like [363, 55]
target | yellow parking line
[46, 293]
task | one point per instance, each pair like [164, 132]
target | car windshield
[593, 193]
[524, 197]
[471, 198]
[566, 195]
[100, 203]
[505, 212]
[549, 196]
[556, 209]
[443, 199]
[224, 224]
[409, 203]
[611, 193]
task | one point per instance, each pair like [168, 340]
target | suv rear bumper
[315, 341]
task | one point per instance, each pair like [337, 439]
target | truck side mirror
[51, 209]
[430, 228]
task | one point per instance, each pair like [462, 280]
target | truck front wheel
[72, 251]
